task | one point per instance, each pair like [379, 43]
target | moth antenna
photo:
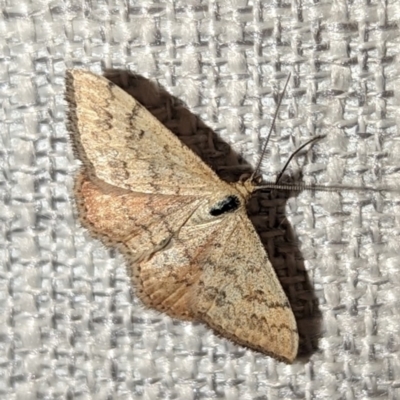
[296, 152]
[299, 187]
[331, 188]
[257, 168]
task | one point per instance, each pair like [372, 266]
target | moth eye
[228, 204]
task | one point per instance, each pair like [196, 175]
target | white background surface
[70, 326]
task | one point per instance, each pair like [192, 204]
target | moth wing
[122, 144]
[137, 224]
[166, 280]
[239, 295]
[220, 274]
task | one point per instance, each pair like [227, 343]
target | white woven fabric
[70, 325]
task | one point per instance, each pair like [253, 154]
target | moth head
[246, 186]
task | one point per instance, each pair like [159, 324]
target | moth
[189, 245]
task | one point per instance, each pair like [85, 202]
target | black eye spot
[229, 204]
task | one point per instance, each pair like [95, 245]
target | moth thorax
[228, 204]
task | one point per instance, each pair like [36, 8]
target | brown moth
[191, 248]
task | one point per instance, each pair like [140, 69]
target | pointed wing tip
[285, 350]
[77, 77]
[73, 74]
[283, 346]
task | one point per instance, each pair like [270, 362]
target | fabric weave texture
[71, 326]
